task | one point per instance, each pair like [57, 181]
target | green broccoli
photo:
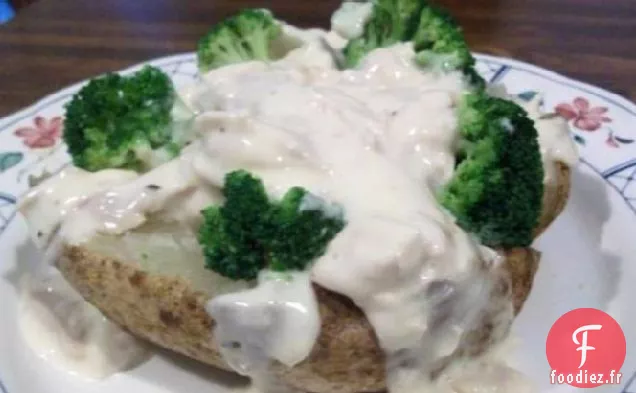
[118, 121]
[242, 37]
[497, 188]
[391, 21]
[437, 39]
[249, 232]
[439, 43]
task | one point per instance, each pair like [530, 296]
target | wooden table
[54, 43]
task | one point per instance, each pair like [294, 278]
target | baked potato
[169, 310]
[149, 276]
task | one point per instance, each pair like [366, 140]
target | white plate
[587, 253]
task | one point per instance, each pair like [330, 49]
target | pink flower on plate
[43, 133]
[585, 118]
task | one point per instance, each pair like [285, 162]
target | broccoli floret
[242, 37]
[439, 44]
[497, 188]
[391, 21]
[118, 121]
[231, 233]
[250, 232]
[437, 38]
[474, 80]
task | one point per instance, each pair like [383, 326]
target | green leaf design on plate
[10, 159]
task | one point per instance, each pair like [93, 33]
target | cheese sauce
[378, 140]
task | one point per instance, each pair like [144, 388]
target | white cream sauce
[62, 328]
[171, 193]
[276, 320]
[80, 204]
[46, 206]
[378, 140]
[372, 140]
[554, 138]
[350, 18]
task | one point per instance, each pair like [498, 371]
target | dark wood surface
[18, 4]
[54, 43]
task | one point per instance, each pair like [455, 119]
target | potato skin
[555, 197]
[345, 359]
[161, 309]
[167, 312]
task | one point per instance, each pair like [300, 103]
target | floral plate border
[599, 123]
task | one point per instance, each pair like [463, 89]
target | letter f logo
[583, 344]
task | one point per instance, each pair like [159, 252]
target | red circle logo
[585, 348]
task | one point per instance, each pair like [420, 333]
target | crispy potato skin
[345, 359]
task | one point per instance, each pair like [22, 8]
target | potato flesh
[169, 250]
